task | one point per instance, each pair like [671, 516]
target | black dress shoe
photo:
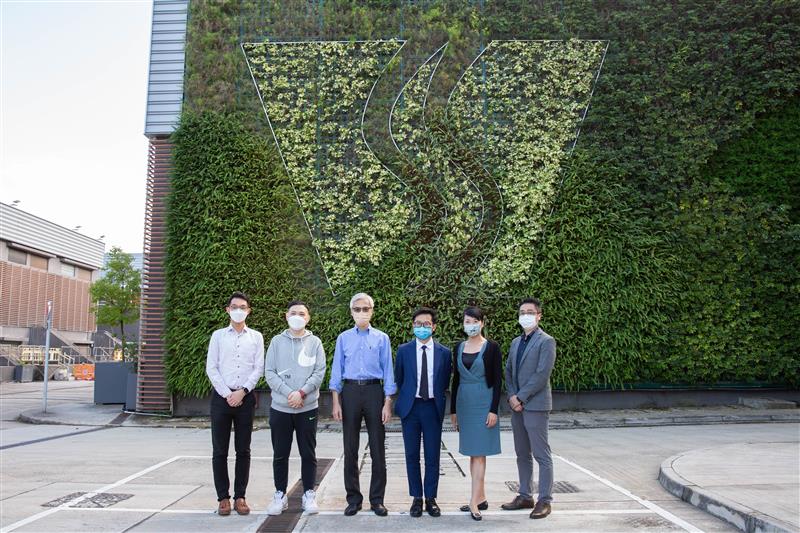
[416, 508]
[379, 509]
[541, 510]
[431, 507]
[481, 507]
[352, 508]
[520, 502]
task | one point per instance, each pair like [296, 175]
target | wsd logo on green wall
[476, 187]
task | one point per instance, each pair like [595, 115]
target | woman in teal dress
[474, 402]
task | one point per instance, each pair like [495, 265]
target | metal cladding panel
[23, 228]
[24, 291]
[152, 395]
[167, 44]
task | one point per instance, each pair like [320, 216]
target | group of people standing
[364, 380]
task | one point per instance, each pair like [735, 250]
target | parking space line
[323, 485]
[648, 504]
[88, 495]
[511, 513]
[261, 457]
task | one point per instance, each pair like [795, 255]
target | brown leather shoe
[224, 507]
[520, 502]
[541, 510]
[241, 506]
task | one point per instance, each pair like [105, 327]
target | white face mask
[238, 315]
[361, 319]
[528, 321]
[296, 322]
[472, 329]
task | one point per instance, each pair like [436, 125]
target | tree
[116, 295]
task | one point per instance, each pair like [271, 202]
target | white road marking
[650, 505]
[651, 508]
[509, 513]
[79, 499]
[254, 457]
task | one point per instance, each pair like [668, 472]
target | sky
[73, 92]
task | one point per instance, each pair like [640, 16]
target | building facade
[41, 261]
[164, 102]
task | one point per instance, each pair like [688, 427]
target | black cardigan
[493, 362]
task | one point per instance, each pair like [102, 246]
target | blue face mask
[423, 332]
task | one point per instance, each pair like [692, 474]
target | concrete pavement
[753, 486]
[117, 478]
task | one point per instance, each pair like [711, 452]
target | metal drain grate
[101, 500]
[559, 487]
[563, 487]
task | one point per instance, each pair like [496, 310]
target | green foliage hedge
[230, 207]
[763, 163]
[668, 258]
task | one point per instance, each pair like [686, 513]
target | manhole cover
[100, 500]
[650, 522]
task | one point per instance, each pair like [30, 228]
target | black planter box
[111, 382]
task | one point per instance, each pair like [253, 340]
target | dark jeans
[222, 416]
[363, 401]
[282, 428]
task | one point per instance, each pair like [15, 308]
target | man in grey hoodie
[294, 369]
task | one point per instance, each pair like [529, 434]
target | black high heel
[476, 516]
[481, 507]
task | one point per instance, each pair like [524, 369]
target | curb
[556, 423]
[736, 514]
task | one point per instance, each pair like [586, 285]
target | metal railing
[35, 355]
[10, 352]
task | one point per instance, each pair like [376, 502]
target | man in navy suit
[422, 373]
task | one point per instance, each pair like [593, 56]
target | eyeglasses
[423, 324]
[521, 313]
[361, 309]
[237, 307]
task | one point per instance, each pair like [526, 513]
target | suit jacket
[536, 364]
[405, 375]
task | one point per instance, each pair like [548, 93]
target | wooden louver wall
[152, 395]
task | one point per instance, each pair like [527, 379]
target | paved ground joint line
[648, 504]
[54, 437]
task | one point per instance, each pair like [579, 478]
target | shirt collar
[420, 344]
[358, 331]
[526, 337]
[244, 330]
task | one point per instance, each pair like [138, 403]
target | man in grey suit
[530, 362]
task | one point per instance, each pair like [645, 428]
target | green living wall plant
[314, 95]
[230, 205]
[667, 257]
[762, 164]
[520, 107]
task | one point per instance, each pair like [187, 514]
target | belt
[362, 381]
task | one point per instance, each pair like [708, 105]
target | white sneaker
[279, 504]
[310, 502]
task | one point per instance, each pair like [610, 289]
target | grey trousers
[530, 442]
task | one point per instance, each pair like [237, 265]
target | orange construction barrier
[83, 372]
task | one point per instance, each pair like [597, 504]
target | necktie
[423, 379]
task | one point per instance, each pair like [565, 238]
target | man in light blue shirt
[362, 382]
